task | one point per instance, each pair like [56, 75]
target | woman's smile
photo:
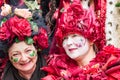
[72, 49]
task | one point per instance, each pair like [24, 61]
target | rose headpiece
[1, 2]
[74, 19]
[17, 29]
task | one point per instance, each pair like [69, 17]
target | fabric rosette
[109, 60]
[75, 19]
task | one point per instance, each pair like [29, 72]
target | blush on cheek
[78, 45]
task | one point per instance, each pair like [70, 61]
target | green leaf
[39, 49]
[117, 4]
[62, 10]
[40, 11]
[29, 40]
[3, 20]
[33, 24]
[32, 5]
[32, 54]
[15, 59]
[17, 40]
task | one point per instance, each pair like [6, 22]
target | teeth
[25, 63]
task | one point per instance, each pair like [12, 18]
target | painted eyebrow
[74, 35]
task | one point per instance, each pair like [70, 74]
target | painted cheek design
[32, 54]
[14, 59]
[82, 43]
[78, 45]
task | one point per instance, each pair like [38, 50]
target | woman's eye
[15, 55]
[29, 50]
[74, 35]
[65, 38]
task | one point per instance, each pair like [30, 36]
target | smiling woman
[76, 36]
[21, 44]
[23, 58]
[75, 43]
[78, 51]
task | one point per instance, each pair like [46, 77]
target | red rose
[41, 39]
[19, 27]
[75, 10]
[71, 15]
[1, 2]
[4, 33]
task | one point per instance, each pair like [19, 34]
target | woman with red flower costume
[77, 51]
[21, 45]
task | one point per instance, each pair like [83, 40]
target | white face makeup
[75, 45]
[23, 56]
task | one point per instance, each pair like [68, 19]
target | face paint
[14, 59]
[32, 54]
[82, 43]
[20, 56]
[76, 46]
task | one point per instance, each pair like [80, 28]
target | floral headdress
[17, 29]
[1, 2]
[74, 19]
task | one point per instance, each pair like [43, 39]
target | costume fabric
[104, 67]
[72, 18]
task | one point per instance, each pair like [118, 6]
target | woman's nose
[24, 57]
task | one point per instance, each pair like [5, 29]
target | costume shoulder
[62, 67]
[113, 64]
[109, 58]
[56, 65]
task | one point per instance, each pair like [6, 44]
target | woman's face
[23, 56]
[75, 45]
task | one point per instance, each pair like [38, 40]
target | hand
[25, 13]
[6, 9]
